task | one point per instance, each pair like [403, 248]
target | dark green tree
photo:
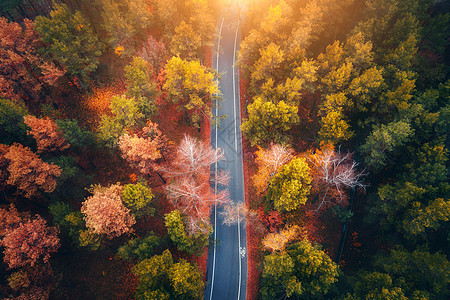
[140, 248]
[77, 137]
[12, 126]
[70, 40]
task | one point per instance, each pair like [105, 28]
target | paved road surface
[227, 261]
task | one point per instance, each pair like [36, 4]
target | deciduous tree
[141, 86]
[155, 53]
[185, 43]
[70, 40]
[161, 278]
[140, 248]
[9, 219]
[267, 121]
[303, 271]
[190, 243]
[384, 140]
[190, 189]
[126, 22]
[290, 186]
[137, 198]
[269, 161]
[30, 242]
[24, 73]
[105, 213]
[277, 241]
[28, 173]
[46, 133]
[142, 151]
[125, 114]
[268, 66]
[332, 172]
[192, 86]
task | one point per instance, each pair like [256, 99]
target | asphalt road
[227, 257]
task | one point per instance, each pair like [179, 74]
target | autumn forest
[106, 164]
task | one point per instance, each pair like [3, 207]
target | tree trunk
[88, 14]
[21, 12]
[160, 176]
[34, 8]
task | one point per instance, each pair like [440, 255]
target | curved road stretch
[227, 257]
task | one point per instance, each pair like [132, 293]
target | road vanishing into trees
[227, 257]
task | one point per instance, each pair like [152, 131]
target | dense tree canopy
[29, 242]
[290, 186]
[161, 278]
[345, 117]
[105, 213]
[303, 271]
[29, 173]
[268, 121]
[192, 86]
[70, 40]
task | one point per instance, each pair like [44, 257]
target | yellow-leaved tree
[290, 187]
[191, 85]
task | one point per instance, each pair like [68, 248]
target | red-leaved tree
[46, 133]
[28, 173]
[190, 189]
[105, 213]
[155, 53]
[29, 243]
[23, 72]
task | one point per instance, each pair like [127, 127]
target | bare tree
[193, 159]
[269, 161]
[195, 200]
[190, 189]
[333, 172]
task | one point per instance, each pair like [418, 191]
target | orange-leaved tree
[28, 173]
[277, 241]
[26, 241]
[46, 133]
[143, 150]
[105, 213]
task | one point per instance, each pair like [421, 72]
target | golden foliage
[277, 241]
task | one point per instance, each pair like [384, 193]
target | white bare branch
[193, 157]
[269, 162]
[336, 172]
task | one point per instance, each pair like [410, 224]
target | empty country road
[227, 257]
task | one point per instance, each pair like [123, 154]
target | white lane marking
[215, 171]
[235, 148]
